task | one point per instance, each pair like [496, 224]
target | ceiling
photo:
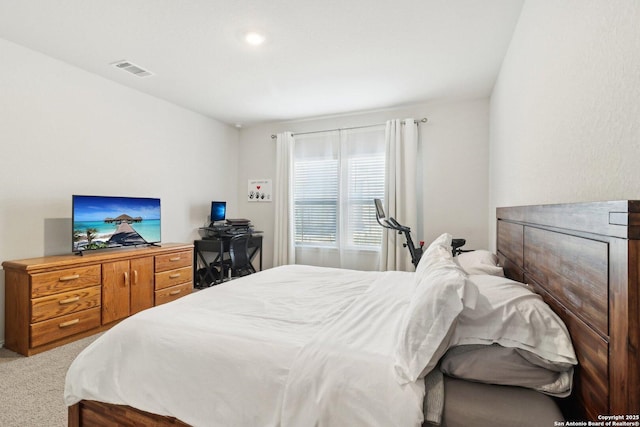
[320, 57]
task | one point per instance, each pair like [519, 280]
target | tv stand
[59, 299]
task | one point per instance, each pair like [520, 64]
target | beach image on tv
[107, 222]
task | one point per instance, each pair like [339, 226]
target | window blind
[316, 201]
[365, 183]
[336, 178]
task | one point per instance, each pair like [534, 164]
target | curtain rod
[423, 120]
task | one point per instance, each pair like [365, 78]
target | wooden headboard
[584, 260]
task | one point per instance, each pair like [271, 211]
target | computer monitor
[218, 211]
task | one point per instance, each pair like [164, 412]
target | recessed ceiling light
[254, 39]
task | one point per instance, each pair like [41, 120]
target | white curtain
[283, 245]
[338, 174]
[401, 192]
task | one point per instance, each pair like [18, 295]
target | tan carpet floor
[31, 388]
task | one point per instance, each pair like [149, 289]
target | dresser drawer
[173, 261]
[173, 293]
[173, 277]
[64, 326]
[67, 302]
[44, 284]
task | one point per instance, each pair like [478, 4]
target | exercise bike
[415, 251]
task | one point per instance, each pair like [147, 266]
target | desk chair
[239, 252]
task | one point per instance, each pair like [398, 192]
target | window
[316, 203]
[365, 182]
[337, 174]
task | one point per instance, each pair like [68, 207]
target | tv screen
[101, 222]
[218, 211]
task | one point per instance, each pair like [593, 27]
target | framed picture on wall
[259, 190]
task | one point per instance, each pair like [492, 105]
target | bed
[583, 259]
[119, 380]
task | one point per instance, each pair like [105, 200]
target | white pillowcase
[437, 252]
[442, 292]
[510, 314]
[479, 262]
[494, 364]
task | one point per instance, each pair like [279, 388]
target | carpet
[32, 388]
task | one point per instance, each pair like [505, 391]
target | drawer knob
[69, 300]
[70, 277]
[174, 276]
[176, 292]
[174, 259]
[69, 323]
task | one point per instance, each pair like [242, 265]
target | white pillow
[479, 262]
[441, 293]
[510, 314]
[437, 252]
[494, 364]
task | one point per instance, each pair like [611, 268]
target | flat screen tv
[218, 211]
[101, 222]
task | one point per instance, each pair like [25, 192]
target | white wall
[64, 131]
[565, 111]
[455, 143]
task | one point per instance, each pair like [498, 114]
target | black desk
[220, 246]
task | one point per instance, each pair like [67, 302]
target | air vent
[132, 68]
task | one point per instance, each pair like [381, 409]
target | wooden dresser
[50, 301]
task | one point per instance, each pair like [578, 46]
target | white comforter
[290, 346]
